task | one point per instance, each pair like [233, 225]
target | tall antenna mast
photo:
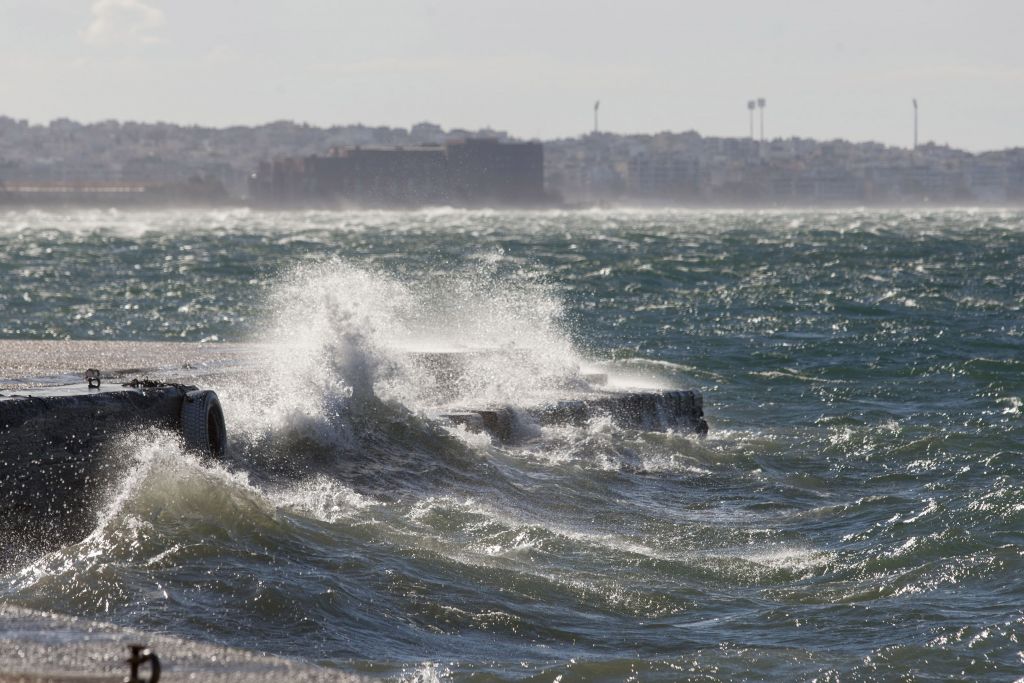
[750, 106]
[760, 105]
[915, 123]
[597, 105]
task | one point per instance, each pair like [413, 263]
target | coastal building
[464, 172]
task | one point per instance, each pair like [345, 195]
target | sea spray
[341, 339]
[321, 354]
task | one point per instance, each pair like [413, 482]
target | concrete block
[53, 468]
[653, 411]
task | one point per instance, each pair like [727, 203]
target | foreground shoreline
[37, 647]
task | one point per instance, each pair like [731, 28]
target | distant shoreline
[192, 164]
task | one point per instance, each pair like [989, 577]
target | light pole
[915, 123]
[750, 106]
[760, 105]
[597, 105]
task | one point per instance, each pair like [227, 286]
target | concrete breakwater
[650, 410]
[56, 463]
[54, 430]
[55, 469]
[26, 363]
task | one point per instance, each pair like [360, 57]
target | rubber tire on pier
[202, 423]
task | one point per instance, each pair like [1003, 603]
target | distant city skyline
[827, 70]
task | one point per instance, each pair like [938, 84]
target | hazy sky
[532, 67]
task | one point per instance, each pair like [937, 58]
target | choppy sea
[856, 512]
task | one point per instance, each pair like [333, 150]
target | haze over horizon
[534, 70]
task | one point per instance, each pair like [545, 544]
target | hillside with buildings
[125, 163]
[689, 169]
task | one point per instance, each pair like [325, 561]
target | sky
[534, 68]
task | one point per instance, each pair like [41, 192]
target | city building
[465, 172]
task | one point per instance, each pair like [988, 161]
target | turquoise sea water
[856, 513]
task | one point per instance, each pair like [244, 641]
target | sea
[856, 511]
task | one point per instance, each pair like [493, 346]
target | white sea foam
[339, 336]
[427, 672]
[322, 498]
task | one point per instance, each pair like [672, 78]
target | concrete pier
[54, 466]
[26, 363]
[51, 441]
[654, 411]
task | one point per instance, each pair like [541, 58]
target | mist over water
[855, 512]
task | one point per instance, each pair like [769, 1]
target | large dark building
[471, 172]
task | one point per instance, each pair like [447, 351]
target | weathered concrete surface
[31, 363]
[76, 417]
[38, 646]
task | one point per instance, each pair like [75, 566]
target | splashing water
[342, 340]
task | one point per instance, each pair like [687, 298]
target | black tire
[202, 424]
